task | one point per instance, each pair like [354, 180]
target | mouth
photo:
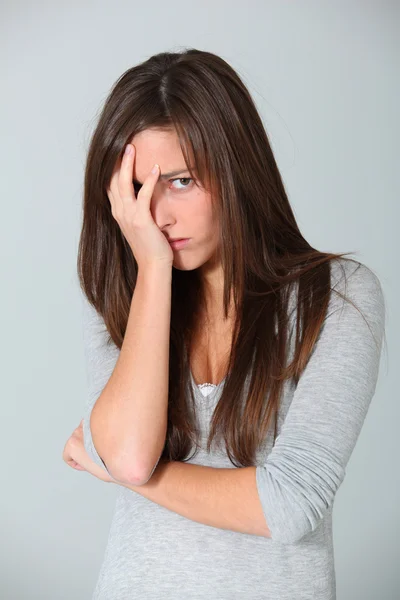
[178, 244]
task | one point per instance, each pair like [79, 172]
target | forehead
[157, 146]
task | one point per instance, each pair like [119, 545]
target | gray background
[324, 76]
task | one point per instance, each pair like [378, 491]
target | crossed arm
[222, 498]
[308, 463]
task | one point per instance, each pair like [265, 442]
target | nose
[161, 208]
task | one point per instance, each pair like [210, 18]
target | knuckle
[127, 197]
[116, 214]
[125, 192]
[143, 192]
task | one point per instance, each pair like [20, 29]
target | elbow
[293, 508]
[119, 461]
[295, 526]
[128, 477]
[292, 532]
[139, 474]
[122, 471]
[134, 475]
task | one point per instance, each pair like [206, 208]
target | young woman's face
[179, 207]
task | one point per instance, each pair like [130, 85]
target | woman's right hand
[147, 242]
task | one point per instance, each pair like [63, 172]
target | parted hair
[263, 254]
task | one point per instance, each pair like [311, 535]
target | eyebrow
[165, 175]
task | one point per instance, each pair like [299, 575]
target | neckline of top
[205, 402]
[198, 385]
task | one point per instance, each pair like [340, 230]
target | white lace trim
[206, 388]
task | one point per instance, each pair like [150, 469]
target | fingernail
[128, 149]
[155, 168]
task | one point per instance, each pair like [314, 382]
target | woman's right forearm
[129, 419]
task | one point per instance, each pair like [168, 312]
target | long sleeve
[100, 360]
[300, 477]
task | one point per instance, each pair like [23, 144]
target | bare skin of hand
[75, 455]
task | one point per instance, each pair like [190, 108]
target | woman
[229, 375]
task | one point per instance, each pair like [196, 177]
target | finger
[72, 463]
[146, 191]
[112, 190]
[125, 185]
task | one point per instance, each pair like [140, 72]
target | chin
[184, 267]
[186, 262]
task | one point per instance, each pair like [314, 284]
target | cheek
[204, 226]
[198, 221]
[202, 213]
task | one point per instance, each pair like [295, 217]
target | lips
[178, 244]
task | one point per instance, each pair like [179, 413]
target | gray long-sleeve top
[154, 553]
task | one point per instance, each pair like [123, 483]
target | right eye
[136, 188]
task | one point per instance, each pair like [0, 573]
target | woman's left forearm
[222, 498]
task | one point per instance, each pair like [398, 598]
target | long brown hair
[262, 252]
